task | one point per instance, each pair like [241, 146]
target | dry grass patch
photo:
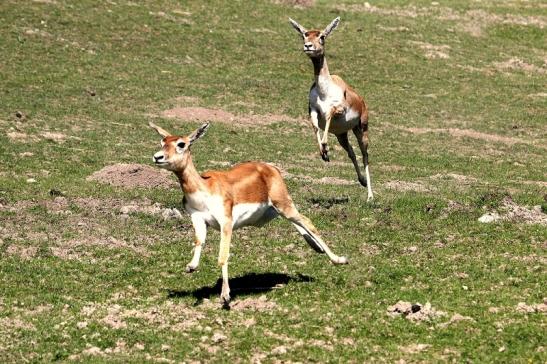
[407, 186]
[469, 133]
[433, 51]
[472, 21]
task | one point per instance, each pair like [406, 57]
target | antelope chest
[344, 116]
[211, 209]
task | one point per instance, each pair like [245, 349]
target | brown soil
[202, 114]
[256, 304]
[134, 175]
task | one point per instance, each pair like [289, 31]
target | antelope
[249, 194]
[334, 106]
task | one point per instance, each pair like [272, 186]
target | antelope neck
[321, 72]
[189, 178]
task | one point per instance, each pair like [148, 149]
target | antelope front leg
[200, 231]
[323, 147]
[323, 151]
[223, 255]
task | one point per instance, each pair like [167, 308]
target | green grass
[97, 72]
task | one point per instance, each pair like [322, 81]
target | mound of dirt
[133, 175]
[202, 114]
[414, 312]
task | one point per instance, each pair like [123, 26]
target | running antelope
[333, 105]
[249, 194]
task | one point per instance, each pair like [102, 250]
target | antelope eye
[181, 145]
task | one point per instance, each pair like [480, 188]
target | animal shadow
[252, 283]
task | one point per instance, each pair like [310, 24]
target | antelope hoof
[225, 300]
[325, 153]
[370, 198]
[342, 260]
[190, 268]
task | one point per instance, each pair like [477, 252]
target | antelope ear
[198, 133]
[299, 28]
[160, 131]
[331, 27]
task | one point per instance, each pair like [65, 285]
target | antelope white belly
[252, 214]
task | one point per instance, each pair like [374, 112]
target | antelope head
[314, 40]
[175, 150]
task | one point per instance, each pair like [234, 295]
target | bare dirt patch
[295, 3]
[534, 308]
[510, 211]
[134, 175]
[517, 64]
[414, 312]
[256, 304]
[202, 114]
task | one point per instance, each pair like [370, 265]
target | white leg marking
[370, 196]
[200, 230]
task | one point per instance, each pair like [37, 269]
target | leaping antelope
[249, 194]
[333, 105]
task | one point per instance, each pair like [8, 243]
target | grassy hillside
[93, 272]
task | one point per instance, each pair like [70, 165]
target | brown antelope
[333, 105]
[249, 194]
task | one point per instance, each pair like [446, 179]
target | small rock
[165, 347]
[31, 180]
[128, 209]
[81, 325]
[218, 337]
[280, 350]
[139, 346]
[489, 217]
[19, 114]
[54, 192]
[171, 214]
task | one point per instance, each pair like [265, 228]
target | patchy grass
[94, 272]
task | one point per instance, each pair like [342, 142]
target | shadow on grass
[248, 284]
